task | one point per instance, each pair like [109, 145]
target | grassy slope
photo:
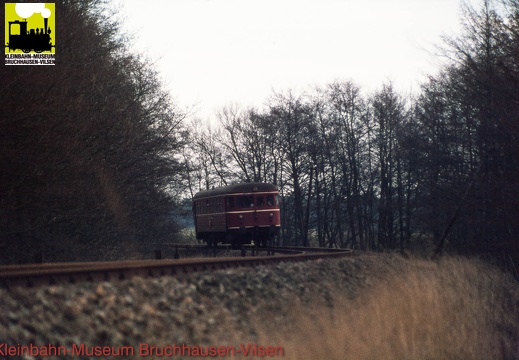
[452, 309]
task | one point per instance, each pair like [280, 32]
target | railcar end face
[238, 214]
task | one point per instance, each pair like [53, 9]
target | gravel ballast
[214, 308]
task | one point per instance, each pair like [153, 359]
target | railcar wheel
[26, 50]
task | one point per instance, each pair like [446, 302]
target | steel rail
[54, 273]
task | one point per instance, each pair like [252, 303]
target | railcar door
[260, 204]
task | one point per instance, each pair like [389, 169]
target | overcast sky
[215, 52]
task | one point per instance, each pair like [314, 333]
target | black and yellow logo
[30, 29]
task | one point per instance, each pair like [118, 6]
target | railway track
[57, 273]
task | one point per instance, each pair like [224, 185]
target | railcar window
[230, 202]
[272, 200]
[260, 201]
[245, 201]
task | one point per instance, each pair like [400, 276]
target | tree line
[432, 171]
[87, 147]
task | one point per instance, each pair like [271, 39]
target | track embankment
[356, 307]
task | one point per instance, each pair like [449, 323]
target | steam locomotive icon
[28, 40]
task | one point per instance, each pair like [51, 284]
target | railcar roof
[236, 189]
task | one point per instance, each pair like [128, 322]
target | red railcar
[237, 214]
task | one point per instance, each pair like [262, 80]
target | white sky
[215, 52]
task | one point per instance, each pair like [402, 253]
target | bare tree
[93, 160]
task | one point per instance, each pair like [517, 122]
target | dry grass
[454, 309]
